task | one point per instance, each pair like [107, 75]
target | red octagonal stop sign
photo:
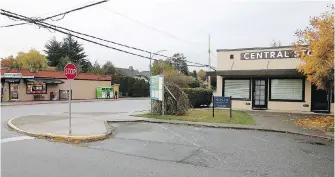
[70, 71]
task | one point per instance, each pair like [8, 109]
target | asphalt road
[142, 149]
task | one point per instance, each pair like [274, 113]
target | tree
[8, 62]
[73, 50]
[195, 75]
[180, 79]
[62, 62]
[54, 51]
[96, 69]
[70, 48]
[32, 60]
[85, 65]
[159, 66]
[179, 63]
[319, 37]
[201, 75]
[108, 68]
[170, 73]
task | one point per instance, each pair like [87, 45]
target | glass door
[14, 91]
[259, 98]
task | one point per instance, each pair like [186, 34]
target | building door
[320, 100]
[13, 91]
[259, 97]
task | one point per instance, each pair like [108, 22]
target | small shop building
[23, 85]
[267, 78]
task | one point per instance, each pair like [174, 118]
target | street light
[151, 56]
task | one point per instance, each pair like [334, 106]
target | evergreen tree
[195, 75]
[69, 49]
[179, 63]
[54, 52]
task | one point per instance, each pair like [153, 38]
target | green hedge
[132, 87]
[199, 96]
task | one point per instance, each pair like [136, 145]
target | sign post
[70, 71]
[222, 102]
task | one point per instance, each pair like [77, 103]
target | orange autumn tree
[319, 37]
[8, 62]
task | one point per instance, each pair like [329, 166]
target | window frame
[28, 83]
[288, 100]
[241, 99]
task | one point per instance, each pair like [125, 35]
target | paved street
[144, 149]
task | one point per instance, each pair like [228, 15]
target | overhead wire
[143, 24]
[116, 43]
[67, 31]
[60, 14]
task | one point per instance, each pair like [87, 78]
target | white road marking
[17, 138]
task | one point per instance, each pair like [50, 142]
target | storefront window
[36, 88]
[237, 89]
[287, 89]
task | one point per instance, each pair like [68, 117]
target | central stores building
[23, 85]
[267, 78]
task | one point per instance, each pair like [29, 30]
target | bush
[132, 87]
[194, 84]
[180, 79]
[172, 107]
[199, 96]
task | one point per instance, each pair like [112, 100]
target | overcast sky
[231, 24]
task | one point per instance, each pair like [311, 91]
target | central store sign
[282, 54]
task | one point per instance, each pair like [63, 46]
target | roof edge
[255, 48]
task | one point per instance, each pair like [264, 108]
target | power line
[55, 28]
[143, 24]
[87, 35]
[61, 14]
[155, 29]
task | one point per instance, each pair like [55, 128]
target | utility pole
[209, 52]
[209, 60]
[150, 84]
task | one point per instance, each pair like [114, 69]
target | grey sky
[232, 24]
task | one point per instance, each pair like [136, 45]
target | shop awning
[12, 80]
[47, 81]
[256, 73]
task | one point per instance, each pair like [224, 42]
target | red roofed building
[23, 85]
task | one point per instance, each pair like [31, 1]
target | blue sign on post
[222, 102]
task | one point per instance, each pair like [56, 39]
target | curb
[73, 101]
[66, 138]
[225, 126]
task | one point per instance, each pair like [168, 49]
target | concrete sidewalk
[20, 103]
[90, 125]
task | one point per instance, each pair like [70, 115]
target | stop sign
[70, 71]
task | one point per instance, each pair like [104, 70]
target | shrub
[199, 96]
[132, 87]
[172, 107]
[180, 79]
[194, 84]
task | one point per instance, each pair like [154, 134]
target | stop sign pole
[70, 71]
